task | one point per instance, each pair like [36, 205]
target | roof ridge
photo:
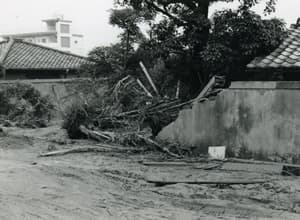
[26, 33]
[50, 48]
[9, 45]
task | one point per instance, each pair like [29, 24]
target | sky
[90, 17]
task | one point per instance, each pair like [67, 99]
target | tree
[108, 61]
[191, 40]
[128, 20]
[236, 38]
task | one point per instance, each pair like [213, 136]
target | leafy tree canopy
[184, 44]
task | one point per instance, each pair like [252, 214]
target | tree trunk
[127, 49]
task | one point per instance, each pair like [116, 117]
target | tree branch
[165, 12]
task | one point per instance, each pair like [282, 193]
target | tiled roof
[33, 34]
[18, 54]
[287, 55]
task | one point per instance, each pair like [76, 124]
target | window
[65, 42]
[76, 42]
[44, 40]
[65, 28]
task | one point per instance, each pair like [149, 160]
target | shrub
[75, 116]
[23, 104]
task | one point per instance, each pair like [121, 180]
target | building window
[65, 28]
[76, 42]
[65, 42]
[44, 40]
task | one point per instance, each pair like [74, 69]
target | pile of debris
[128, 109]
[22, 105]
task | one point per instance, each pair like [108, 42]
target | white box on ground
[217, 152]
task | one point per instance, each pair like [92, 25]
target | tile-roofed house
[284, 62]
[20, 59]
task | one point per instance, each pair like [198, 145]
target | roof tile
[286, 55]
[25, 55]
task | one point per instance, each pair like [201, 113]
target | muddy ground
[114, 186]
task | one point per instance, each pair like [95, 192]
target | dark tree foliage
[238, 37]
[108, 61]
[193, 47]
[128, 20]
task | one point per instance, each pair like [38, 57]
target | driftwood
[99, 148]
[210, 182]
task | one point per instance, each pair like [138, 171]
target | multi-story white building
[58, 35]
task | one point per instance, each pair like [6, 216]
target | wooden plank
[208, 182]
[236, 160]
[166, 164]
[87, 150]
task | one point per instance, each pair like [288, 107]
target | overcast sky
[90, 17]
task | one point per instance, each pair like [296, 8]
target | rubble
[129, 108]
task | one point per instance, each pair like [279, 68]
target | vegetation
[24, 106]
[183, 44]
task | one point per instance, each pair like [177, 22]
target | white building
[59, 35]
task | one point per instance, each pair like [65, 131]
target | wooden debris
[210, 182]
[96, 135]
[208, 166]
[163, 149]
[236, 160]
[194, 165]
[206, 88]
[166, 164]
[149, 78]
[144, 88]
[99, 148]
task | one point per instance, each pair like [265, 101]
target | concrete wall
[253, 119]
[63, 92]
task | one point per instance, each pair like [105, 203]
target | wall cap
[265, 85]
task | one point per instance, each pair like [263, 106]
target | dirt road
[113, 186]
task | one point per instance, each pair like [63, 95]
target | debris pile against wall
[24, 106]
[122, 115]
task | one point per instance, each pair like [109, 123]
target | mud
[114, 186]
